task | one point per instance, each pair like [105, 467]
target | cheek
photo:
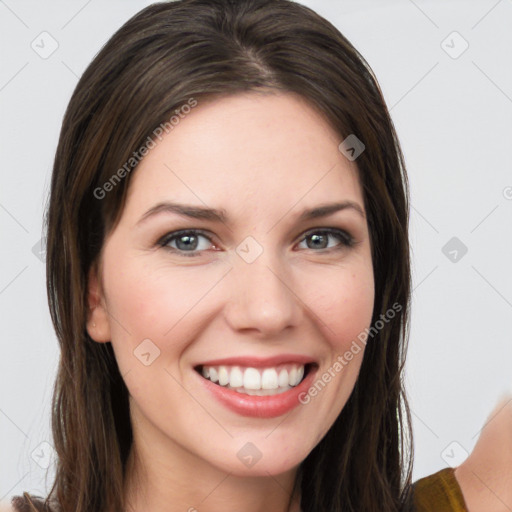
[343, 304]
[150, 310]
[155, 302]
[344, 310]
[149, 298]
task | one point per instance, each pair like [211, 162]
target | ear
[97, 324]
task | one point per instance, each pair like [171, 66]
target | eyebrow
[215, 215]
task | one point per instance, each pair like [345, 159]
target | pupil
[317, 238]
[190, 242]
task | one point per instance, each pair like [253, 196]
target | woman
[262, 370]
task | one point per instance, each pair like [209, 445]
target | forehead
[246, 149]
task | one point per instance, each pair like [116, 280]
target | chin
[261, 457]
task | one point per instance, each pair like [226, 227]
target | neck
[485, 476]
[163, 476]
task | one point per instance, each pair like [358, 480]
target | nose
[262, 297]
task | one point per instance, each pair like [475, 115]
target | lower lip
[255, 406]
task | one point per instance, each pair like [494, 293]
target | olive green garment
[439, 492]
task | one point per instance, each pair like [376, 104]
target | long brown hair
[153, 65]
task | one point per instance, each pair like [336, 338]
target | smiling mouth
[267, 381]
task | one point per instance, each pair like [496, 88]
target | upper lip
[259, 362]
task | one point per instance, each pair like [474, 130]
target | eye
[185, 242]
[320, 239]
[188, 242]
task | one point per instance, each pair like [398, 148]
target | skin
[485, 476]
[264, 159]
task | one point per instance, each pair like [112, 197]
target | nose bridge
[261, 295]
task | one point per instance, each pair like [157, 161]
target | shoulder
[485, 477]
[438, 492]
[483, 482]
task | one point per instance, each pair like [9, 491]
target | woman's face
[252, 299]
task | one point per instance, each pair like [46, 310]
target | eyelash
[346, 239]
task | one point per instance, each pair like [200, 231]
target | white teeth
[252, 379]
[300, 374]
[262, 392]
[256, 381]
[213, 374]
[223, 376]
[269, 379]
[237, 378]
[283, 378]
[292, 377]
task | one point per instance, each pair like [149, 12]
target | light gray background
[454, 120]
